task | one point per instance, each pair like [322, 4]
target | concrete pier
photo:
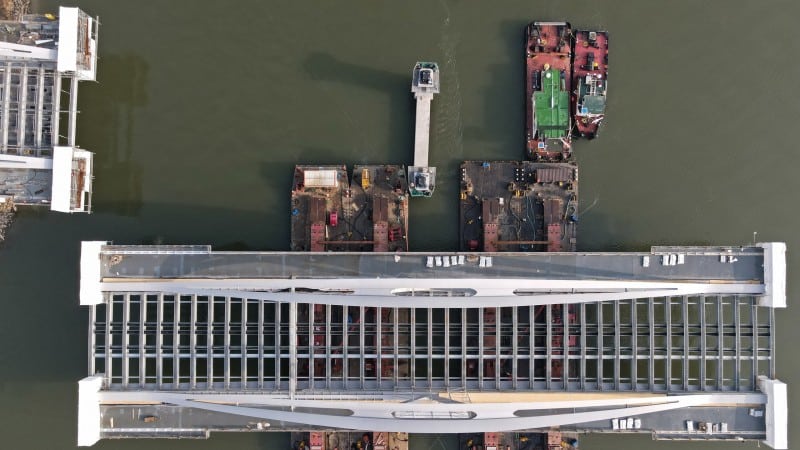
[424, 85]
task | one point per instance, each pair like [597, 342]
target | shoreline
[7, 214]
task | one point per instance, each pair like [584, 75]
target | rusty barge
[518, 206]
[331, 213]
[548, 69]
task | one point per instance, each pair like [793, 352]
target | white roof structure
[72, 180]
[777, 413]
[88, 413]
[90, 293]
[324, 178]
[77, 45]
[41, 59]
[775, 271]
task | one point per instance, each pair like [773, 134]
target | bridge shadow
[108, 127]
[601, 232]
[43, 328]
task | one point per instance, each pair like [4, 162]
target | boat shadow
[122, 89]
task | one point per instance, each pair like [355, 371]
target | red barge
[548, 69]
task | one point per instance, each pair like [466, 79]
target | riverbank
[13, 9]
[7, 213]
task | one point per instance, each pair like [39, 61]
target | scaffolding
[672, 344]
[42, 60]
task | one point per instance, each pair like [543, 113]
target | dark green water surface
[203, 108]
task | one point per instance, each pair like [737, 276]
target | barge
[330, 213]
[590, 78]
[548, 70]
[318, 194]
[380, 199]
[518, 206]
[349, 440]
[550, 440]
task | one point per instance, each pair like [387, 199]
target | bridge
[424, 342]
[42, 60]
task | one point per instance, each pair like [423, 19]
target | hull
[590, 79]
[548, 70]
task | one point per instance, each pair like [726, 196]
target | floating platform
[518, 206]
[347, 440]
[519, 441]
[318, 194]
[330, 213]
[379, 194]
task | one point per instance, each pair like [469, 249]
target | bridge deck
[189, 318]
[655, 344]
[701, 264]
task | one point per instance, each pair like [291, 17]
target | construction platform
[42, 60]
[518, 206]
[362, 440]
[678, 342]
[329, 213]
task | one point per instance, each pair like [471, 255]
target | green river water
[203, 107]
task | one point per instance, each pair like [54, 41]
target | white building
[42, 60]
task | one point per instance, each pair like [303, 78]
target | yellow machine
[364, 178]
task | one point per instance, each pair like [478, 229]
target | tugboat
[590, 78]
[548, 85]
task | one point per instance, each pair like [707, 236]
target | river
[203, 107]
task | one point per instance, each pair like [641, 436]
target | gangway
[424, 85]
